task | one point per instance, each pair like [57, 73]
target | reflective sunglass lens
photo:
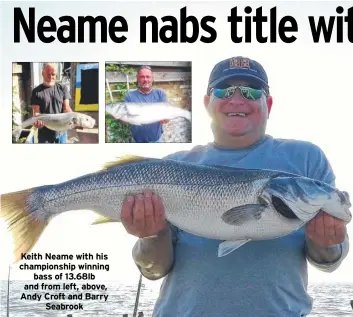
[251, 93]
[247, 92]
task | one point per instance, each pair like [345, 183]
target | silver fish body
[235, 205]
[146, 113]
[59, 121]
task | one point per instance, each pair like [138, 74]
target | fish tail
[187, 115]
[17, 132]
[29, 122]
[24, 226]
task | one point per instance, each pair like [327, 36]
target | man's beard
[49, 84]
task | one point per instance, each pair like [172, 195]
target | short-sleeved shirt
[146, 133]
[261, 278]
[50, 100]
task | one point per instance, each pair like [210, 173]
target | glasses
[248, 93]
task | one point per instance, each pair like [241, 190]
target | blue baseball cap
[238, 67]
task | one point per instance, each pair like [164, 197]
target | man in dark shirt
[49, 97]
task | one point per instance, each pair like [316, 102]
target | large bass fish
[146, 113]
[230, 204]
[58, 122]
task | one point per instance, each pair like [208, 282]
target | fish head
[84, 121]
[302, 198]
[117, 110]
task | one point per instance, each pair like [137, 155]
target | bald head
[49, 74]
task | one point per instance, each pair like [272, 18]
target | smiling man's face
[238, 111]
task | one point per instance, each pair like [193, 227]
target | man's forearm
[154, 256]
[36, 110]
[66, 106]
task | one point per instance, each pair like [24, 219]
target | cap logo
[239, 62]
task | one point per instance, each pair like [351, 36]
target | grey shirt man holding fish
[49, 97]
[261, 278]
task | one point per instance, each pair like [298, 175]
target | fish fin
[72, 136]
[239, 215]
[17, 132]
[227, 247]
[24, 228]
[187, 115]
[73, 140]
[123, 160]
[103, 219]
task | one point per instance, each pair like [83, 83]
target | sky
[311, 86]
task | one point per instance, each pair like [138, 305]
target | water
[330, 300]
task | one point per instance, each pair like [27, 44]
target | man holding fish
[246, 211]
[152, 132]
[260, 278]
[50, 98]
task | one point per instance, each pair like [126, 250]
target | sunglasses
[248, 93]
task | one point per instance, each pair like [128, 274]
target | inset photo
[148, 102]
[55, 102]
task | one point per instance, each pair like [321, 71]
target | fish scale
[230, 204]
[217, 194]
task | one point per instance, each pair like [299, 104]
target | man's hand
[39, 124]
[143, 215]
[325, 230]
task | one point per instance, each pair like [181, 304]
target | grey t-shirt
[49, 100]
